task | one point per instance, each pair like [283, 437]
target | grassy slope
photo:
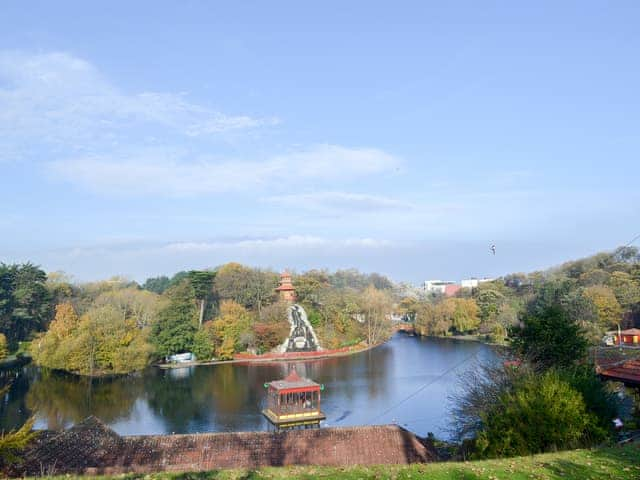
[606, 463]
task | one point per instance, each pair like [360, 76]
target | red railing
[271, 355]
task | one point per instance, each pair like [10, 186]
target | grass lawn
[605, 463]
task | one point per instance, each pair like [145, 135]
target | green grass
[605, 463]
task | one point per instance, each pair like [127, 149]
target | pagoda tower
[286, 290]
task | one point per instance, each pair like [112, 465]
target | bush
[541, 413]
[598, 399]
[203, 343]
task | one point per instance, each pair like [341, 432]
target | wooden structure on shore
[626, 372]
[293, 402]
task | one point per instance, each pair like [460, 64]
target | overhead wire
[421, 388]
[633, 240]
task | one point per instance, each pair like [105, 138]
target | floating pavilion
[293, 402]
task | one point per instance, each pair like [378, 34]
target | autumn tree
[228, 327]
[376, 306]
[625, 288]
[250, 287]
[4, 349]
[141, 306]
[465, 314]
[101, 341]
[310, 286]
[606, 305]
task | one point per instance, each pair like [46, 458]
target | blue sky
[143, 138]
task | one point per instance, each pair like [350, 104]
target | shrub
[541, 413]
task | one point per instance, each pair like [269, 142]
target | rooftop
[293, 381]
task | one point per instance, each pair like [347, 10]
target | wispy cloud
[170, 173]
[62, 101]
[261, 244]
[340, 201]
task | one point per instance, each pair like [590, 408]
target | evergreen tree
[550, 339]
[177, 322]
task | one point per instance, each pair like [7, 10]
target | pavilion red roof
[293, 381]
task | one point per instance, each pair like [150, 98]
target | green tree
[202, 283]
[489, 303]
[157, 284]
[177, 321]
[25, 301]
[14, 442]
[550, 339]
[203, 341]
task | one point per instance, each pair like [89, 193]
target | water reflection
[229, 397]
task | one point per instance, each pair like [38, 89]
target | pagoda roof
[286, 286]
[293, 381]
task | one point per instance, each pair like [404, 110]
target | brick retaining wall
[92, 448]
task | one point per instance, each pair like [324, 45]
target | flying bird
[493, 249]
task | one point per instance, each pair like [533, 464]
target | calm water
[360, 389]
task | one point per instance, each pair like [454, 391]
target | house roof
[631, 331]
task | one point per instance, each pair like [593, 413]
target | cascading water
[301, 338]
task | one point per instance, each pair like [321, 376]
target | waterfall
[301, 337]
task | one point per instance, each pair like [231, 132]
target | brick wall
[92, 448]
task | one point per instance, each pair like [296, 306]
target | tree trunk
[201, 311]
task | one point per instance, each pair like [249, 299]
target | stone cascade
[301, 338]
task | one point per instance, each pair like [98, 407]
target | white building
[437, 286]
[474, 282]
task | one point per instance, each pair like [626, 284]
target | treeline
[117, 326]
[599, 293]
[548, 396]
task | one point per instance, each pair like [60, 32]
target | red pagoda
[293, 402]
[286, 289]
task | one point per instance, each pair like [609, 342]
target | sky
[143, 138]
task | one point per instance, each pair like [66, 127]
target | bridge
[408, 327]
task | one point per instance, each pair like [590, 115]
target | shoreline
[277, 358]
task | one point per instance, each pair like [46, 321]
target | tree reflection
[62, 399]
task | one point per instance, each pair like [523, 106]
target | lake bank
[276, 357]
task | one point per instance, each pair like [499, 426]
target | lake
[407, 381]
